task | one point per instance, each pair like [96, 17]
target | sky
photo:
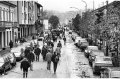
[64, 5]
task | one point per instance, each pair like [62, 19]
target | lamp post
[78, 10]
[85, 5]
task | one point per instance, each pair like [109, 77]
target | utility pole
[93, 5]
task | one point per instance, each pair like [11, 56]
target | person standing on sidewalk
[31, 59]
[55, 60]
[37, 52]
[11, 44]
[48, 59]
[24, 66]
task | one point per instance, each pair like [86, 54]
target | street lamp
[85, 4]
[78, 10]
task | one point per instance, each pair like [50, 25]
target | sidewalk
[2, 52]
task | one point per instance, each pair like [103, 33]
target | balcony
[7, 24]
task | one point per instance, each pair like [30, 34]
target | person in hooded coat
[24, 66]
[31, 58]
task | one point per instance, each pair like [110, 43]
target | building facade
[8, 24]
[28, 11]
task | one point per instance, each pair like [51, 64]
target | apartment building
[28, 12]
[8, 25]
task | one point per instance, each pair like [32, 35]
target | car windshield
[92, 47]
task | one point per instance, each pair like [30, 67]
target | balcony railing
[8, 24]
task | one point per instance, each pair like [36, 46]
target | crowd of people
[33, 52]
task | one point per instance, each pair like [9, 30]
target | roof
[8, 3]
[115, 3]
[38, 4]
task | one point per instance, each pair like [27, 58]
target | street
[71, 64]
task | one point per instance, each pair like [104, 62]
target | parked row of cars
[101, 64]
[7, 61]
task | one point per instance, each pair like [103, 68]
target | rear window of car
[93, 48]
[107, 59]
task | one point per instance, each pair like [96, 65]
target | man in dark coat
[11, 44]
[37, 52]
[31, 59]
[24, 66]
[55, 59]
[44, 52]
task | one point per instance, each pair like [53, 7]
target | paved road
[68, 67]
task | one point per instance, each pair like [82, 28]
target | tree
[76, 22]
[54, 21]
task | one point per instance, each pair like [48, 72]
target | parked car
[93, 55]
[89, 49]
[83, 44]
[101, 61]
[12, 59]
[110, 72]
[77, 41]
[5, 63]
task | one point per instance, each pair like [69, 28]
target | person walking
[44, 52]
[31, 58]
[48, 59]
[58, 51]
[55, 59]
[37, 52]
[64, 39]
[11, 44]
[24, 66]
[26, 52]
[59, 45]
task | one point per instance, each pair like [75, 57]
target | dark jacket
[55, 58]
[24, 65]
[64, 39]
[30, 57]
[59, 45]
[37, 51]
[26, 52]
[11, 44]
[44, 51]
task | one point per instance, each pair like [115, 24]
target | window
[0, 14]
[22, 3]
[4, 14]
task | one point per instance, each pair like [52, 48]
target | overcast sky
[64, 5]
